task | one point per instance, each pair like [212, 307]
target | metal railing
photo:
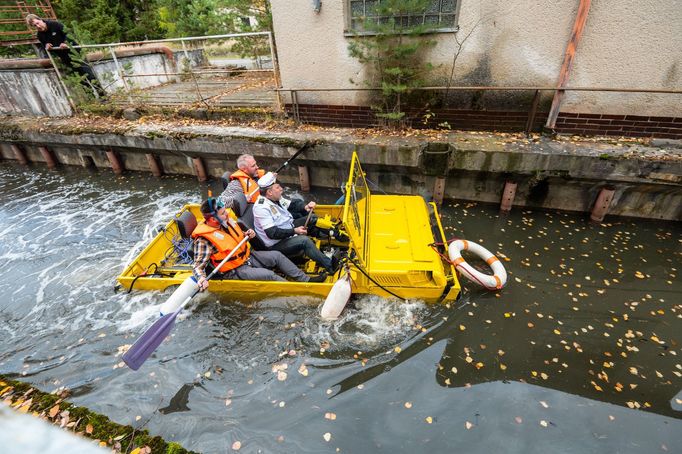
[532, 110]
[125, 77]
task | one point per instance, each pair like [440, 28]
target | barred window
[439, 14]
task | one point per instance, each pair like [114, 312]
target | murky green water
[580, 353]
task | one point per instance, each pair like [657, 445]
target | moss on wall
[53, 409]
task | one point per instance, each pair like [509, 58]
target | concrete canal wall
[642, 179]
[31, 87]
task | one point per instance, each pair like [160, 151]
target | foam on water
[373, 323]
[66, 244]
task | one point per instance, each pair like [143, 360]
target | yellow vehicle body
[389, 250]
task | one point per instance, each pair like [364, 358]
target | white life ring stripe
[496, 281]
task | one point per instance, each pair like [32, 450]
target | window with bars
[439, 15]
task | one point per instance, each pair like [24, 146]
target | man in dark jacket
[52, 36]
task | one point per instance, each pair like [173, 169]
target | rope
[373, 281]
[146, 273]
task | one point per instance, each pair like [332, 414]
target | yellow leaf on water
[503, 367]
[479, 365]
[397, 349]
[330, 416]
[533, 373]
[462, 327]
[408, 404]
[468, 359]
[543, 423]
[428, 419]
[236, 446]
[544, 376]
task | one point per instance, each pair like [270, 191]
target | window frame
[349, 32]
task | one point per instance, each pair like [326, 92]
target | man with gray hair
[244, 179]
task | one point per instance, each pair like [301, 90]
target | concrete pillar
[601, 206]
[20, 154]
[48, 157]
[508, 195]
[439, 190]
[115, 162]
[154, 165]
[303, 178]
[200, 169]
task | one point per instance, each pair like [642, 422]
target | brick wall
[506, 121]
[619, 125]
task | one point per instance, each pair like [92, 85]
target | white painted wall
[626, 43]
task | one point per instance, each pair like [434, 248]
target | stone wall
[561, 174]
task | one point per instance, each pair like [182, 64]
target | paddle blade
[337, 299]
[147, 343]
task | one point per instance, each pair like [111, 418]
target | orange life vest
[249, 185]
[224, 240]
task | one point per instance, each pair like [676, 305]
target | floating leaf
[408, 404]
[468, 425]
[428, 419]
[236, 446]
[330, 416]
[327, 436]
[518, 420]
[543, 423]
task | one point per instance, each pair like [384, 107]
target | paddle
[307, 219]
[155, 334]
[286, 163]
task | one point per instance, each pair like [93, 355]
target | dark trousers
[81, 68]
[302, 245]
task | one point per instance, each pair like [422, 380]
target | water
[580, 353]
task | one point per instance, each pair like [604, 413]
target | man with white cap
[277, 228]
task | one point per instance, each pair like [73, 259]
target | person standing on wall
[52, 36]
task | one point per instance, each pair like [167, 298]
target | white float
[494, 282]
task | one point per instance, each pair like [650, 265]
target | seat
[186, 224]
[244, 212]
[225, 179]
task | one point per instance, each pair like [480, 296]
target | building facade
[624, 44]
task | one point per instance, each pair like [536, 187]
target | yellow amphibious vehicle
[390, 251]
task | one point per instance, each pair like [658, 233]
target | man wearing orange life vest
[218, 234]
[244, 179]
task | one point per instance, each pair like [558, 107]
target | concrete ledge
[562, 173]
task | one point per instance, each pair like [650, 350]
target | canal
[579, 353]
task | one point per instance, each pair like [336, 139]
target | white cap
[267, 180]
